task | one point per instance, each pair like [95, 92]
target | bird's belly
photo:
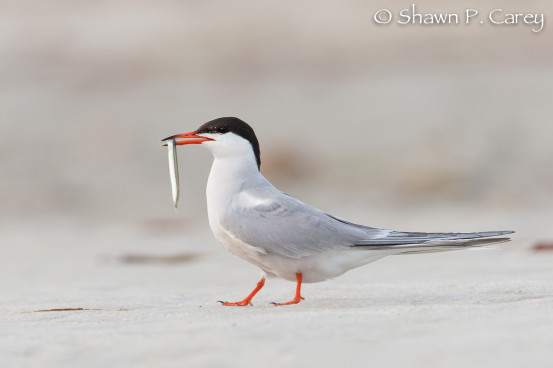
[237, 247]
[322, 266]
[271, 264]
[317, 267]
[314, 268]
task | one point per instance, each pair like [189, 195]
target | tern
[285, 237]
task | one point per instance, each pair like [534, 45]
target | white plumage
[285, 237]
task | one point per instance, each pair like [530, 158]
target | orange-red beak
[191, 138]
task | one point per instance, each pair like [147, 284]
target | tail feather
[408, 243]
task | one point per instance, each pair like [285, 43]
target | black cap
[232, 125]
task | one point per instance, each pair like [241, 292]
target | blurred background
[410, 127]
[382, 124]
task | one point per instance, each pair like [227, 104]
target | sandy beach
[128, 298]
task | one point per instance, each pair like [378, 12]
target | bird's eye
[222, 129]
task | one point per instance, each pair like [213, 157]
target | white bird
[285, 237]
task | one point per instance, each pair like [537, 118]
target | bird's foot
[248, 300]
[242, 303]
[296, 300]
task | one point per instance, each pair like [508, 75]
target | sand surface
[156, 305]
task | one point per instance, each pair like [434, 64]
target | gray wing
[278, 223]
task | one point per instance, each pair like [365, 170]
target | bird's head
[224, 137]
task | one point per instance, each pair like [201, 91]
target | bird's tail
[409, 243]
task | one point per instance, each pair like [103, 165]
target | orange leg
[298, 298]
[248, 299]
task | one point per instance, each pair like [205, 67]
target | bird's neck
[230, 175]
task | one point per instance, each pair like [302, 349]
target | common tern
[285, 237]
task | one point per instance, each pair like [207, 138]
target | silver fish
[173, 170]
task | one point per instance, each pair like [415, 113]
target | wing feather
[280, 224]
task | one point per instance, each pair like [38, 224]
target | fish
[173, 170]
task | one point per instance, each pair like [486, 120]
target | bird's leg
[298, 298]
[248, 299]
